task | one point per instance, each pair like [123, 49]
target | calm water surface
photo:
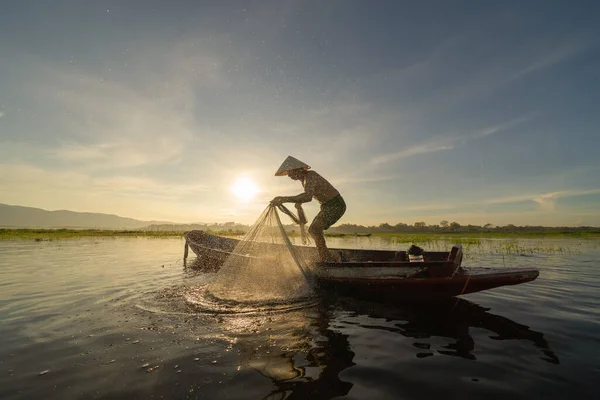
[122, 318]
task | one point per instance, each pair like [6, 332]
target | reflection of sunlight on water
[277, 345]
[272, 338]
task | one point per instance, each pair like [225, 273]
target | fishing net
[264, 266]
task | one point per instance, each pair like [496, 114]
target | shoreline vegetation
[458, 235]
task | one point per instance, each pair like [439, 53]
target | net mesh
[264, 266]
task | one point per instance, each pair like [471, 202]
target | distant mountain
[29, 217]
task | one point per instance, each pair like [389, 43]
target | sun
[244, 189]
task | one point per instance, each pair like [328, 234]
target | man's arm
[299, 198]
[309, 189]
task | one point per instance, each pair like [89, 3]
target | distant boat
[385, 273]
[335, 234]
[363, 234]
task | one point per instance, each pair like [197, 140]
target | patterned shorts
[332, 211]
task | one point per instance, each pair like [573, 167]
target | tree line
[454, 227]
[417, 227]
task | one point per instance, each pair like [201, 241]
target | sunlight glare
[244, 189]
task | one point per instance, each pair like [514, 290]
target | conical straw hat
[289, 164]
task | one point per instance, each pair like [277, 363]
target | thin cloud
[124, 119]
[491, 130]
[452, 142]
[118, 126]
[131, 185]
[423, 148]
[17, 176]
[350, 180]
[77, 152]
[545, 200]
[550, 59]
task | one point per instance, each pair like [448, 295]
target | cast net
[264, 266]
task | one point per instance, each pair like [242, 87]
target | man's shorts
[332, 211]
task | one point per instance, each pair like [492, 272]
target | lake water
[119, 318]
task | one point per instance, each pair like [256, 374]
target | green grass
[477, 244]
[473, 243]
[60, 234]
[467, 238]
[506, 243]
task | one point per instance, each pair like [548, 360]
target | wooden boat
[385, 273]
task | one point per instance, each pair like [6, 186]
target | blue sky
[467, 111]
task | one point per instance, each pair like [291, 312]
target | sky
[469, 111]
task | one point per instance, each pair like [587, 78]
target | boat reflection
[448, 318]
[306, 361]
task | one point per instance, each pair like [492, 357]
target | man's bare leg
[316, 231]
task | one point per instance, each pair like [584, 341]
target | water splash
[263, 267]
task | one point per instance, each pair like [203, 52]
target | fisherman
[315, 186]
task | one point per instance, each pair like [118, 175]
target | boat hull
[465, 281]
[378, 273]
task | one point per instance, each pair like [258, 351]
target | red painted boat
[385, 273]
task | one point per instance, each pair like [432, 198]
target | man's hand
[277, 201]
